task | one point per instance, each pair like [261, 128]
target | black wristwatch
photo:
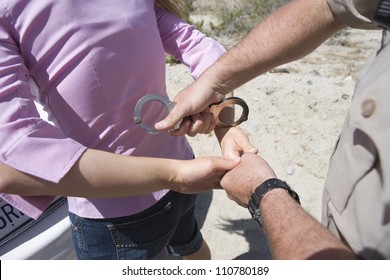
[260, 191]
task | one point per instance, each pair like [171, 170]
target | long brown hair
[173, 6]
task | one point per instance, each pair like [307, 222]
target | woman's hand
[234, 142]
[200, 174]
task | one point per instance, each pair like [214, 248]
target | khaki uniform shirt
[357, 188]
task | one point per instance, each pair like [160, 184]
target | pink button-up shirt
[92, 61]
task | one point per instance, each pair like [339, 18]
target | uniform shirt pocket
[354, 157]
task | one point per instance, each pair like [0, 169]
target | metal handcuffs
[215, 109]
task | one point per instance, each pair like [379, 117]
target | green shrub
[239, 17]
[232, 18]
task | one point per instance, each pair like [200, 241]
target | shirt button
[368, 108]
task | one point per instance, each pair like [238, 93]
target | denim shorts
[170, 224]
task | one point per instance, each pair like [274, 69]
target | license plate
[11, 221]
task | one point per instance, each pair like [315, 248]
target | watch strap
[260, 191]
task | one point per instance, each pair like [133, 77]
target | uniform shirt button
[368, 108]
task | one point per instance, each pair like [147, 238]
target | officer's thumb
[174, 117]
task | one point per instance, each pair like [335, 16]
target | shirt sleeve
[27, 142]
[187, 44]
[355, 13]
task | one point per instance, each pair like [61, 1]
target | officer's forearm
[290, 33]
[294, 234]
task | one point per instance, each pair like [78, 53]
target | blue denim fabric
[169, 224]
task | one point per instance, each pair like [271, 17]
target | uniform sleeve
[186, 43]
[355, 13]
[28, 143]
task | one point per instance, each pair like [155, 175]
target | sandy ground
[296, 113]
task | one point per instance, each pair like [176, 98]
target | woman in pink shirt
[129, 192]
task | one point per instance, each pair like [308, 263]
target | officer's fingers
[183, 128]
[196, 126]
[208, 122]
[212, 124]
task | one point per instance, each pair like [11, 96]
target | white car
[23, 238]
